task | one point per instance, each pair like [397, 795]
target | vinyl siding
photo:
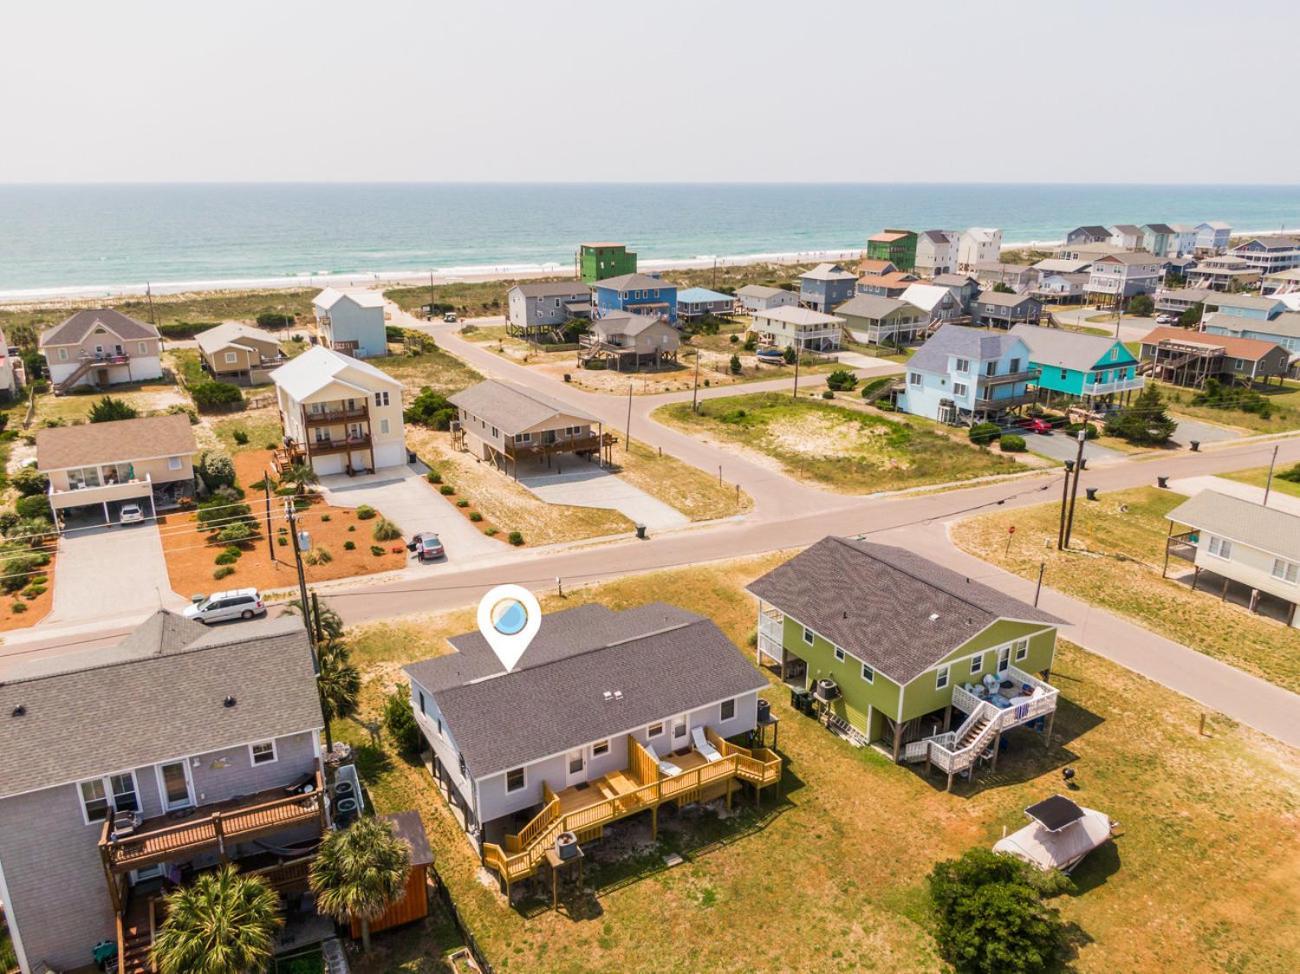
[857, 696]
[920, 697]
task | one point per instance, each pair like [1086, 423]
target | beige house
[629, 342]
[802, 329]
[504, 424]
[95, 468]
[101, 347]
[235, 352]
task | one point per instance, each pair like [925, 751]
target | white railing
[940, 748]
[965, 701]
[1118, 385]
[83, 487]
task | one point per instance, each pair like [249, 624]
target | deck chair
[709, 752]
[665, 767]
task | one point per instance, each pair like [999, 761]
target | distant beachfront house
[696, 302]
[978, 245]
[1125, 236]
[1226, 272]
[889, 285]
[896, 246]
[997, 309]
[233, 351]
[101, 347]
[1270, 254]
[1282, 282]
[872, 265]
[1282, 329]
[966, 375]
[874, 320]
[1212, 238]
[936, 252]
[759, 297]
[629, 342]
[1183, 241]
[1118, 277]
[802, 329]
[598, 261]
[1087, 252]
[1178, 300]
[640, 294]
[1018, 277]
[1179, 266]
[1060, 288]
[13, 375]
[1246, 305]
[1061, 265]
[826, 286]
[536, 307]
[1085, 367]
[964, 287]
[1192, 358]
[351, 322]
[1087, 235]
[937, 302]
[1159, 239]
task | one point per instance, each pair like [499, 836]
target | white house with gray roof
[101, 347]
[965, 375]
[760, 297]
[802, 329]
[533, 307]
[122, 767]
[873, 320]
[936, 252]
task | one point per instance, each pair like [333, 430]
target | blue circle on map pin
[509, 616]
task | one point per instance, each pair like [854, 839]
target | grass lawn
[1258, 476]
[261, 426]
[692, 491]
[147, 398]
[845, 449]
[832, 877]
[1116, 563]
[168, 309]
[437, 369]
[1285, 400]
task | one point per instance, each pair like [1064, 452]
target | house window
[381, 398]
[599, 748]
[941, 678]
[679, 728]
[262, 753]
[868, 674]
[914, 378]
[1220, 547]
[515, 780]
[122, 787]
[655, 730]
[839, 655]
[383, 426]
[420, 695]
[1004, 658]
[728, 709]
[807, 635]
[1285, 570]
[959, 389]
[963, 365]
[232, 357]
[173, 463]
[495, 433]
[97, 792]
[1065, 374]
[143, 348]
[63, 355]
[976, 664]
[991, 368]
[1015, 366]
[94, 800]
[1021, 647]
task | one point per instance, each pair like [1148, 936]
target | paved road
[588, 485]
[1063, 446]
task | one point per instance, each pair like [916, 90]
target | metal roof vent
[618, 694]
[608, 696]
[228, 702]
[20, 711]
[934, 616]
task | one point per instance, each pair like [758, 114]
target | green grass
[8, 959]
[437, 369]
[1285, 400]
[1258, 477]
[263, 429]
[212, 308]
[849, 450]
[833, 877]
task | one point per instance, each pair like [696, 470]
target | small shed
[414, 904]
[1060, 834]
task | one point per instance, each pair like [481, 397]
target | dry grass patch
[690, 490]
[1118, 546]
[1258, 477]
[436, 369]
[147, 398]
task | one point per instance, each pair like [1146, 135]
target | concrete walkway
[1202, 432]
[586, 485]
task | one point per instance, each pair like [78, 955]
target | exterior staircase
[135, 943]
[77, 374]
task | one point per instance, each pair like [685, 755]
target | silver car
[239, 603]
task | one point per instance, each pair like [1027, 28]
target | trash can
[640, 531]
[1092, 493]
[1162, 482]
[1083, 463]
[411, 457]
[1196, 446]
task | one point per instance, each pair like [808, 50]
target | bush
[282, 541]
[490, 532]
[399, 721]
[1090, 431]
[1216, 395]
[225, 571]
[789, 355]
[386, 530]
[1191, 316]
[215, 395]
[320, 555]
[1141, 304]
[34, 591]
[433, 477]
[215, 469]
[275, 319]
[827, 394]
[218, 513]
[240, 437]
[984, 433]
[594, 364]
[1145, 422]
[108, 410]
[751, 342]
[734, 365]
[18, 607]
[1291, 474]
[225, 558]
[365, 512]
[1011, 443]
[352, 527]
[234, 551]
[515, 538]
[446, 490]
[462, 503]
[349, 546]
[431, 409]
[376, 550]
[29, 481]
[8, 521]
[235, 532]
[326, 518]
[34, 507]
[734, 339]
[841, 380]
[475, 516]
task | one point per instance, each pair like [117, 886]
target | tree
[1192, 316]
[274, 319]
[789, 355]
[216, 469]
[990, 915]
[108, 410]
[325, 621]
[302, 476]
[34, 506]
[841, 380]
[734, 364]
[431, 409]
[222, 923]
[30, 482]
[338, 679]
[1141, 304]
[1001, 288]
[1145, 422]
[215, 395]
[400, 721]
[359, 872]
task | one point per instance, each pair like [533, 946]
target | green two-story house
[1089, 368]
[890, 644]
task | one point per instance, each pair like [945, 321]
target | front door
[174, 781]
[575, 768]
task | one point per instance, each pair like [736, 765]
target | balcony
[1116, 385]
[210, 828]
[119, 490]
[346, 444]
[987, 402]
[334, 416]
[771, 632]
[592, 442]
[1023, 375]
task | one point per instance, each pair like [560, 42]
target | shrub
[1291, 474]
[490, 532]
[325, 518]
[841, 380]
[365, 512]
[1191, 317]
[225, 558]
[34, 591]
[234, 551]
[734, 364]
[225, 571]
[462, 502]
[734, 339]
[240, 437]
[34, 507]
[433, 477]
[109, 409]
[984, 433]
[8, 521]
[594, 364]
[1141, 304]
[1145, 422]
[431, 409]
[320, 555]
[282, 541]
[235, 532]
[515, 538]
[1216, 395]
[751, 342]
[386, 530]
[218, 513]
[827, 394]
[215, 469]
[352, 527]
[215, 395]
[1090, 431]
[399, 721]
[475, 516]
[446, 490]
[349, 546]
[789, 355]
[29, 481]
[376, 550]
[1011, 443]
[274, 319]
[18, 607]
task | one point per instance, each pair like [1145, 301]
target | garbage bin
[1083, 463]
[640, 531]
[1092, 493]
[1196, 446]
[411, 457]
[1162, 481]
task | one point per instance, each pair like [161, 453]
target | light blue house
[639, 294]
[826, 287]
[696, 302]
[351, 322]
[1282, 330]
[1084, 367]
[967, 375]
[1246, 306]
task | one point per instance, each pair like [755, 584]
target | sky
[709, 90]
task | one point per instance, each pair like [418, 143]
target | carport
[104, 505]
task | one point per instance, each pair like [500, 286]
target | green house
[1092, 368]
[597, 261]
[896, 246]
[904, 653]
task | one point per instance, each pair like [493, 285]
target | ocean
[104, 239]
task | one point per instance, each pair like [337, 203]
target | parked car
[1165, 319]
[239, 603]
[1035, 424]
[427, 546]
[130, 514]
[449, 316]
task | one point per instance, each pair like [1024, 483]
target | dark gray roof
[553, 289]
[628, 282]
[410, 829]
[71, 331]
[954, 280]
[1068, 349]
[972, 343]
[160, 695]
[1159, 228]
[870, 306]
[1002, 299]
[1093, 231]
[891, 608]
[626, 323]
[1127, 229]
[512, 408]
[760, 291]
[1246, 522]
[557, 700]
[937, 236]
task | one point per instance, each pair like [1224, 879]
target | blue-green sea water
[85, 237]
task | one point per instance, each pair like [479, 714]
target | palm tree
[338, 679]
[359, 872]
[302, 476]
[325, 621]
[222, 923]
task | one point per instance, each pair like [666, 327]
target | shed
[414, 904]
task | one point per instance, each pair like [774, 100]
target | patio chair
[665, 767]
[702, 745]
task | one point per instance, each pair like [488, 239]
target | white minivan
[239, 603]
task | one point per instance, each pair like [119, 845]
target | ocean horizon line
[29, 184]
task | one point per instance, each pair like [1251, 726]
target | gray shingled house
[536, 307]
[608, 714]
[127, 770]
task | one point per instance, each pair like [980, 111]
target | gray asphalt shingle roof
[511, 408]
[889, 607]
[870, 306]
[1065, 349]
[973, 343]
[632, 282]
[1242, 521]
[117, 441]
[553, 289]
[74, 329]
[161, 695]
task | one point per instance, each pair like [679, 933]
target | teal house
[1086, 367]
[895, 651]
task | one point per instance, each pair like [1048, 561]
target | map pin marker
[508, 618]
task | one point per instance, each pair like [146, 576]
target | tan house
[504, 424]
[95, 468]
[234, 352]
[101, 347]
[629, 342]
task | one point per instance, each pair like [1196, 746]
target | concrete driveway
[110, 572]
[878, 366]
[586, 485]
[1063, 446]
[1195, 429]
[401, 495]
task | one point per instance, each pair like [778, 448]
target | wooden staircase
[972, 729]
[135, 940]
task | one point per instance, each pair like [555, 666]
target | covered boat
[1059, 835]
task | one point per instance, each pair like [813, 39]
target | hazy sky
[995, 90]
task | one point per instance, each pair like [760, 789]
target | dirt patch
[818, 435]
[37, 608]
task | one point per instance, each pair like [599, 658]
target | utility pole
[627, 440]
[1268, 484]
[1119, 312]
[795, 394]
[1074, 489]
[695, 393]
[431, 295]
[1042, 567]
[148, 291]
[292, 517]
[270, 539]
[1065, 494]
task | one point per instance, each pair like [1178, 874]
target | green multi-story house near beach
[903, 653]
[597, 261]
[896, 246]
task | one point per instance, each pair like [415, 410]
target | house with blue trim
[1086, 367]
[696, 302]
[826, 286]
[967, 375]
[1247, 306]
[639, 294]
